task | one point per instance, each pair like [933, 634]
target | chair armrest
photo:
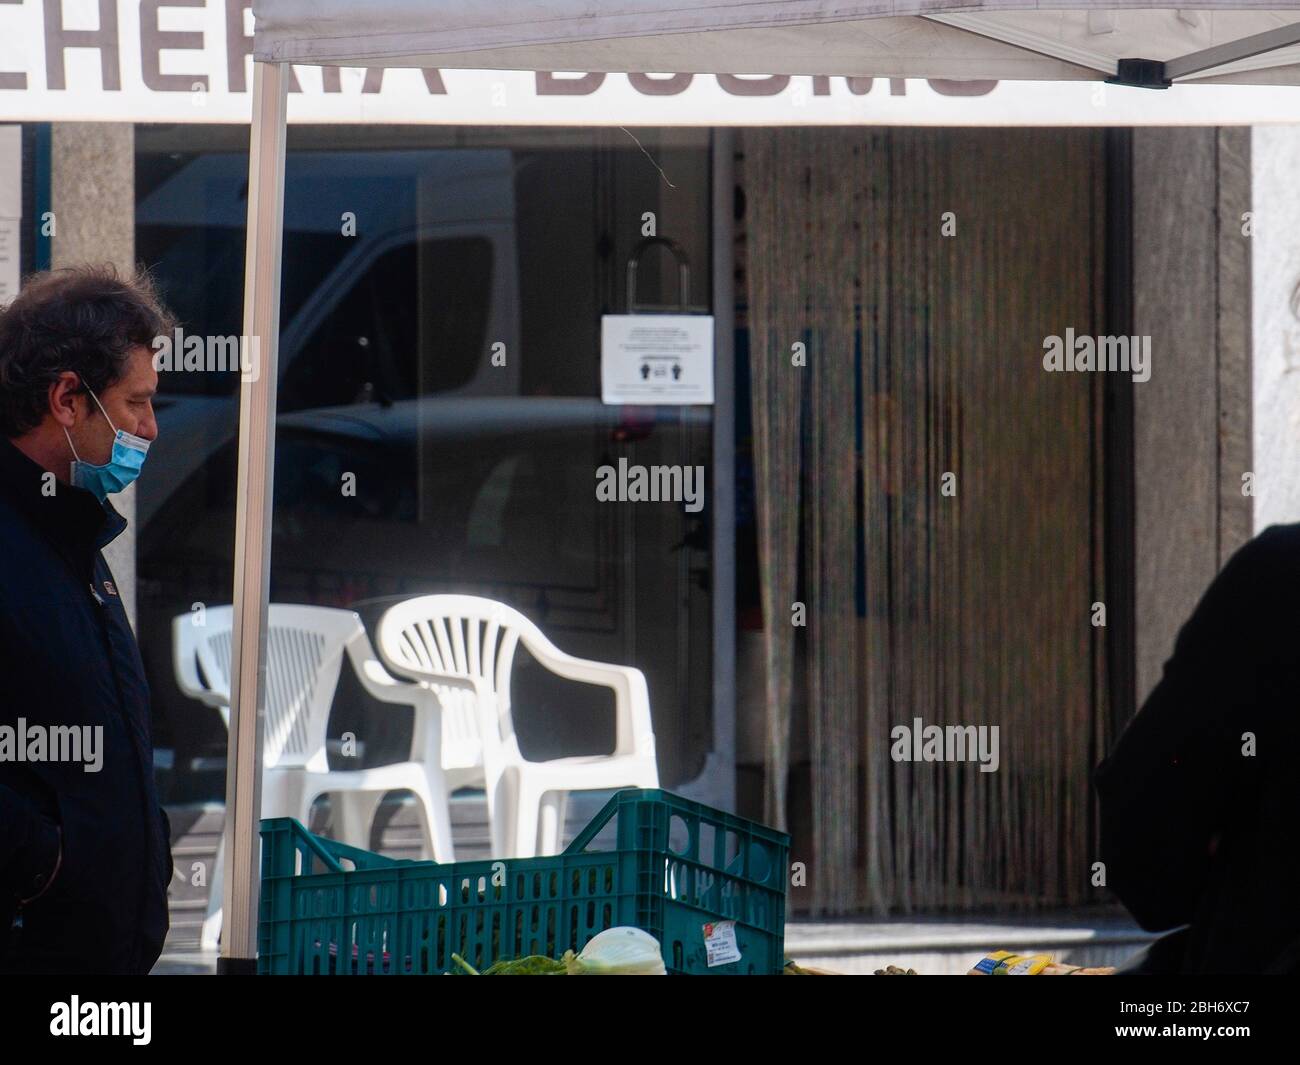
[426, 736]
[378, 681]
[634, 732]
[213, 699]
[421, 692]
[186, 670]
[419, 679]
[208, 697]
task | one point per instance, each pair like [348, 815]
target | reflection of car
[409, 457]
[488, 495]
[409, 278]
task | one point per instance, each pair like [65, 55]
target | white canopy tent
[1131, 41]
[1126, 42]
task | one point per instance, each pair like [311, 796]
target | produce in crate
[533, 965]
[1005, 963]
[792, 968]
[622, 951]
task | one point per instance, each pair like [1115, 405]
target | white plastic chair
[463, 648]
[305, 647]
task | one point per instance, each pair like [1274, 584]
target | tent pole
[1232, 52]
[253, 517]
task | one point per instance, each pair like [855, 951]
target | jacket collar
[71, 518]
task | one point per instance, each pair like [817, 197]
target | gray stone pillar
[1275, 153]
[92, 195]
[1192, 419]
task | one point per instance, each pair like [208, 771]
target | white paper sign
[656, 358]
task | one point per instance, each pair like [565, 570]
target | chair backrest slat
[305, 648]
[488, 660]
[463, 636]
[457, 626]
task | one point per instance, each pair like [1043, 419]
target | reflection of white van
[469, 477]
[351, 251]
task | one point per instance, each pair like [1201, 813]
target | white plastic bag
[623, 951]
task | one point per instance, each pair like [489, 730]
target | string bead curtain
[922, 270]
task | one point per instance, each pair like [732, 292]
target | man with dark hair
[85, 857]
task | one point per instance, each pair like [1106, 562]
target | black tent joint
[1141, 74]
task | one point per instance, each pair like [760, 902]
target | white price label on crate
[720, 943]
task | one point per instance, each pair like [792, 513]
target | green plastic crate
[676, 866]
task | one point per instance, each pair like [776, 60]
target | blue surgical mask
[122, 467]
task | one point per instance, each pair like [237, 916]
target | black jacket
[68, 658]
[1200, 799]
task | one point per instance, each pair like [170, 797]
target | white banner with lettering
[189, 61]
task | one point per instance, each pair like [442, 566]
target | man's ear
[63, 399]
